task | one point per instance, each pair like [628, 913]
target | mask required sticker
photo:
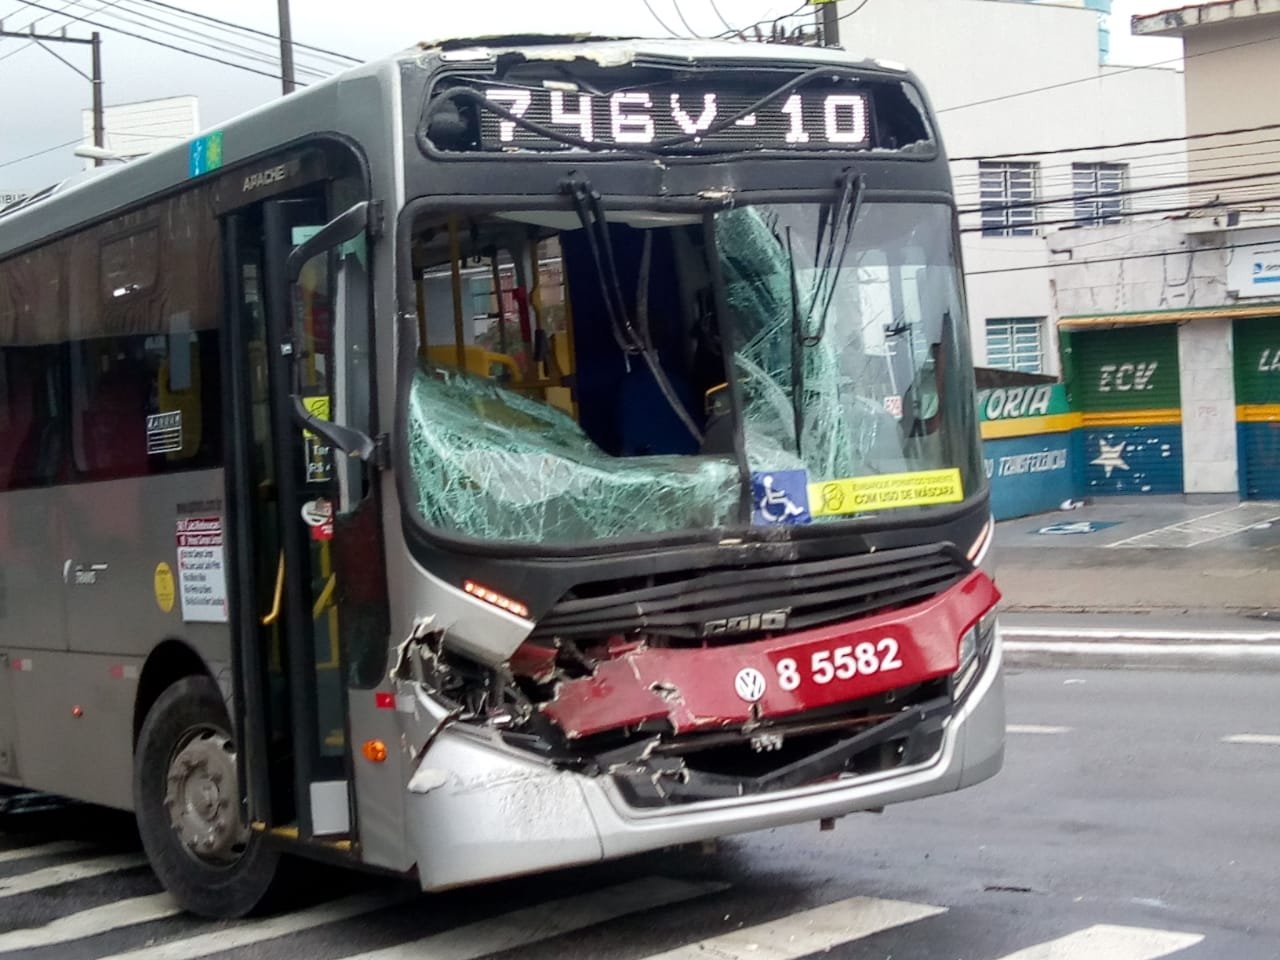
[924, 488]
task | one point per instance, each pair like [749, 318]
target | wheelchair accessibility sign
[780, 496]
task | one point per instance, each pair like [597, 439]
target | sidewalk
[1153, 557]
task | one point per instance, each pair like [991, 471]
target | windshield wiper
[797, 350]
[631, 341]
[845, 212]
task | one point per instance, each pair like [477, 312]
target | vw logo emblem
[749, 683]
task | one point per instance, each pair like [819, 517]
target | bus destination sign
[829, 118]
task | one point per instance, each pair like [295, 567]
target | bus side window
[32, 369]
[145, 395]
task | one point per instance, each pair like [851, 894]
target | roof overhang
[1234, 311]
[1179, 21]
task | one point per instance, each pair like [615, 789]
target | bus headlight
[975, 643]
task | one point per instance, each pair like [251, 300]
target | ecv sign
[1124, 377]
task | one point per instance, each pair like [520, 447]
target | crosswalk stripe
[1107, 942]
[1258, 739]
[547, 920]
[43, 850]
[810, 931]
[256, 931]
[87, 923]
[66, 873]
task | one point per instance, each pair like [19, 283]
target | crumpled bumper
[489, 811]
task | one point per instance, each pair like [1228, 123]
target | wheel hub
[203, 798]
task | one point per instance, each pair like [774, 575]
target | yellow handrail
[270, 618]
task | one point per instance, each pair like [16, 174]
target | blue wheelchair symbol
[780, 496]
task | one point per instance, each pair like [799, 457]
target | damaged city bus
[514, 454]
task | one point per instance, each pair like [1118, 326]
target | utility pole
[829, 22]
[286, 48]
[95, 78]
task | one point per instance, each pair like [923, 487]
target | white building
[146, 126]
[1015, 82]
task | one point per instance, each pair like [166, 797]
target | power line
[158, 43]
[41, 153]
[680, 14]
[654, 13]
[1115, 259]
[854, 10]
[720, 16]
[1107, 76]
[1107, 195]
[191, 36]
[1092, 220]
[760, 23]
[246, 29]
[1126, 143]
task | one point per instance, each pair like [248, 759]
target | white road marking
[256, 931]
[1121, 633]
[1204, 528]
[88, 923]
[807, 932]
[1107, 942]
[53, 876]
[43, 850]
[547, 920]
[1035, 728]
[1209, 651]
[1262, 739]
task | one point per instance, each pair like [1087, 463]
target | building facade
[1014, 84]
[1171, 329]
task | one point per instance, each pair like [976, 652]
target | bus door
[306, 557]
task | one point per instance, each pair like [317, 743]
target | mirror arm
[352, 222]
[352, 442]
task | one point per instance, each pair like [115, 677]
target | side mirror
[345, 226]
[354, 443]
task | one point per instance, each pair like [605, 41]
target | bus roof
[327, 107]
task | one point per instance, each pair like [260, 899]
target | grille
[794, 596]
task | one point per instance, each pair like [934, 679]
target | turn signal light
[375, 751]
[495, 598]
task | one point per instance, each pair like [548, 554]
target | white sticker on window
[164, 433]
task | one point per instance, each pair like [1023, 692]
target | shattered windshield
[850, 348]
[573, 383]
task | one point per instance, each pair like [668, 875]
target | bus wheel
[187, 799]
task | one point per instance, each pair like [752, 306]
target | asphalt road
[1126, 825]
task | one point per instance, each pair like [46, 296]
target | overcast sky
[41, 99]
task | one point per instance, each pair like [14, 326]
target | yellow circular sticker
[165, 592]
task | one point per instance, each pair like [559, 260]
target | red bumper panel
[725, 686]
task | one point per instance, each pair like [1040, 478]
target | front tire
[187, 801]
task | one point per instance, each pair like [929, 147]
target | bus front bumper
[479, 810]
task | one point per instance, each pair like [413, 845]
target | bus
[514, 454]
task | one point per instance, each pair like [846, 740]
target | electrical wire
[654, 13]
[1124, 143]
[224, 47]
[1116, 259]
[246, 29]
[40, 153]
[1085, 221]
[1108, 195]
[1106, 76]
[856, 9]
[160, 43]
[720, 16]
[680, 14]
[774, 22]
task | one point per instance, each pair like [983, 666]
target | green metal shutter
[1131, 368]
[1257, 370]
[1126, 383]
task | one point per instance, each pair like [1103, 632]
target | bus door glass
[300, 497]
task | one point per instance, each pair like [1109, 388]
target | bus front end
[686, 453]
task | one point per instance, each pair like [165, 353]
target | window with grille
[1091, 184]
[1014, 344]
[1007, 191]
